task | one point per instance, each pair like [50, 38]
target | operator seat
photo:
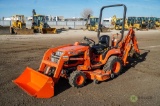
[104, 40]
[102, 44]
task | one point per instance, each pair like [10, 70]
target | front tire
[77, 79]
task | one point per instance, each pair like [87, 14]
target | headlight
[66, 58]
[58, 53]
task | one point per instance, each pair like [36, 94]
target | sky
[74, 8]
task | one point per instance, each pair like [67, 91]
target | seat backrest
[104, 40]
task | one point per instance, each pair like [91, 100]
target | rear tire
[114, 65]
[77, 79]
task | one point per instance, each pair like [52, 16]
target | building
[107, 22]
[6, 18]
[74, 19]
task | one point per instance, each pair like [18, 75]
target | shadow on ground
[61, 86]
[136, 60]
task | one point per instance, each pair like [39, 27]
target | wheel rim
[80, 80]
[116, 67]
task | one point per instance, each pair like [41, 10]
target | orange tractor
[80, 61]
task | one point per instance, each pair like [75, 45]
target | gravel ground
[137, 86]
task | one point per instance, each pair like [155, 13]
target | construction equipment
[92, 24]
[152, 23]
[19, 26]
[117, 22]
[157, 22]
[131, 21]
[80, 61]
[40, 25]
[141, 23]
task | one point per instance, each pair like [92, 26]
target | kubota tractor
[80, 61]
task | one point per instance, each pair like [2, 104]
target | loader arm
[36, 83]
[47, 57]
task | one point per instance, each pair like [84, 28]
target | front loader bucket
[35, 83]
[24, 31]
[49, 30]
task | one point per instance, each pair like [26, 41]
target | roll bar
[124, 17]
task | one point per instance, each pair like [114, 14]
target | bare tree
[86, 12]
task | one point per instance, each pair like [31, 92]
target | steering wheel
[89, 41]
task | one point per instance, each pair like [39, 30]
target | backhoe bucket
[49, 30]
[35, 83]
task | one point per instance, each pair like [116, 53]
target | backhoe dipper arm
[135, 43]
[130, 37]
[126, 45]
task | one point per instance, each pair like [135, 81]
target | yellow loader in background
[39, 24]
[18, 25]
[117, 22]
[157, 22]
[92, 24]
[141, 23]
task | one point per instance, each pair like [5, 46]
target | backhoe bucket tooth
[49, 30]
[35, 83]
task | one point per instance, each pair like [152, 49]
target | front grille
[54, 58]
[58, 53]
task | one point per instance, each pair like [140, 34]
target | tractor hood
[73, 48]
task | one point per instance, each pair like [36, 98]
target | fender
[109, 53]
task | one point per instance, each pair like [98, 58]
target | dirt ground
[137, 86]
